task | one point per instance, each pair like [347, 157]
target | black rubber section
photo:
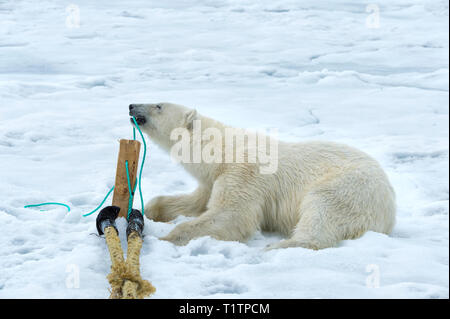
[135, 223]
[106, 218]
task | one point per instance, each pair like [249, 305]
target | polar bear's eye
[158, 106]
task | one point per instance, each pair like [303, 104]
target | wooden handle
[129, 151]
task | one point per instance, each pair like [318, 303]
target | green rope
[142, 164]
[49, 203]
[130, 201]
[98, 207]
[130, 198]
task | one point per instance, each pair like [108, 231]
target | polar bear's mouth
[140, 120]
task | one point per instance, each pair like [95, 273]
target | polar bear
[320, 193]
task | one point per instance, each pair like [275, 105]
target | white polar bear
[320, 193]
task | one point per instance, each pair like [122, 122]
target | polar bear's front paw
[272, 246]
[182, 234]
[178, 240]
[289, 243]
[157, 211]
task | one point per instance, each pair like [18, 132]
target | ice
[311, 69]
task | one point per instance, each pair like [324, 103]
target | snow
[311, 69]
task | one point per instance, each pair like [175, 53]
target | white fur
[321, 193]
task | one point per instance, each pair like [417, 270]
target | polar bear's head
[160, 119]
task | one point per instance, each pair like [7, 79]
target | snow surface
[312, 69]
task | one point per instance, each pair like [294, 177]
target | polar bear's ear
[189, 118]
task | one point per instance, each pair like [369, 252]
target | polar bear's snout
[138, 112]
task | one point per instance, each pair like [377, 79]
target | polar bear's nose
[131, 107]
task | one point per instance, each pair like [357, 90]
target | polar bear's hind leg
[343, 207]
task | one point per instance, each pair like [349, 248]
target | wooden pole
[125, 279]
[129, 151]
